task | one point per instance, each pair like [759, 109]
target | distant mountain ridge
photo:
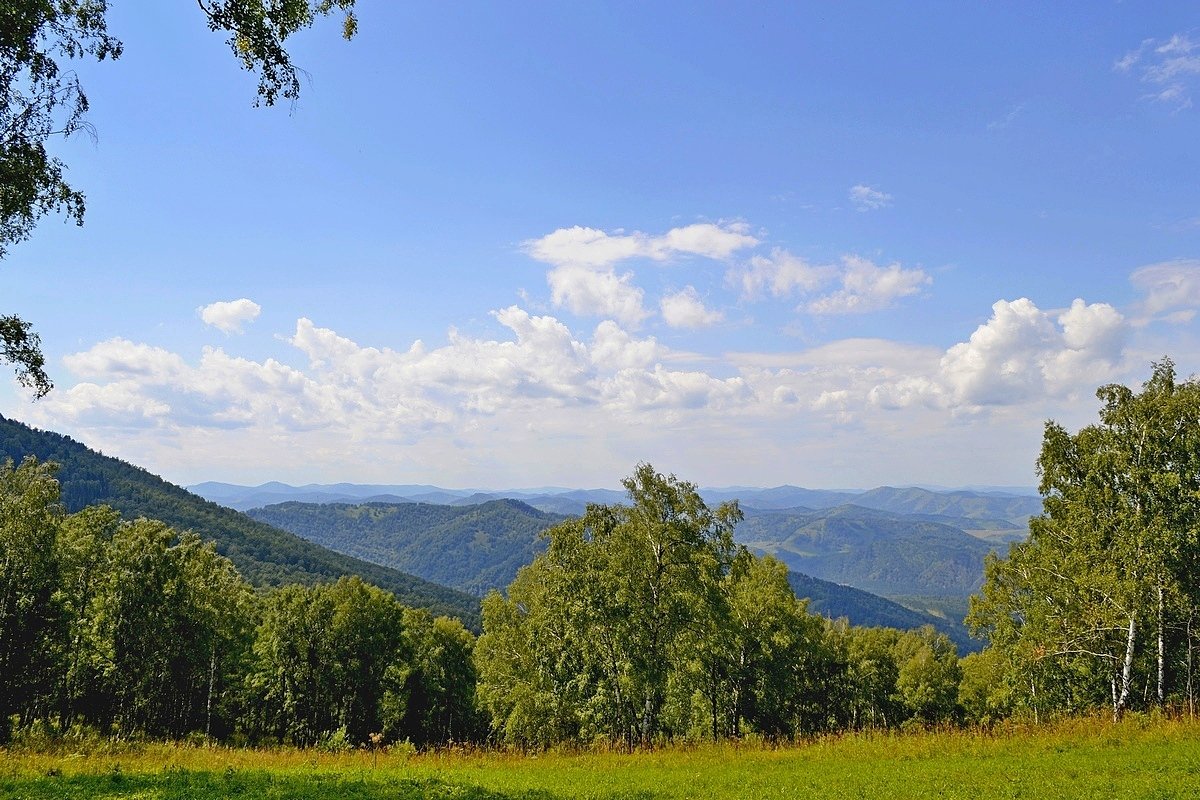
[1013, 507]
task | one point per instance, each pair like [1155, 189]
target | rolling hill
[880, 552]
[863, 608]
[473, 548]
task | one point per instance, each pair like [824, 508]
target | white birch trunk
[1161, 650]
[1126, 671]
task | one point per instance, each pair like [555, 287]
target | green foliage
[646, 621]
[985, 694]
[781, 666]
[476, 548]
[322, 656]
[20, 346]
[592, 626]
[338, 663]
[928, 677]
[257, 32]
[110, 623]
[1089, 606]
[29, 520]
[42, 99]
[436, 684]
[135, 630]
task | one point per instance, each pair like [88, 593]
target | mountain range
[473, 548]
[1012, 506]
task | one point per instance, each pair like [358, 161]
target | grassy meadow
[1139, 758]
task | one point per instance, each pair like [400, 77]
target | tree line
[130, 628]
[646, 622]
[263, 555]
[639, 624]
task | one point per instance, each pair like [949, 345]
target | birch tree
[1092, 588]
[29, 520]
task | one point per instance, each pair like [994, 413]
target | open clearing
[1139, 758]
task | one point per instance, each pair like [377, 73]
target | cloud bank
[551, 393]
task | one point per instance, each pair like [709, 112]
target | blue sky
[524, 244]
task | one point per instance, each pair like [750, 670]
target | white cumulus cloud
[868, 287]
[120, 358]
[600, 293]
[230, 316]
[1023, 353]
[542, 399]
[780, 274]
[583, 277]
[685, 309]
[591, 247]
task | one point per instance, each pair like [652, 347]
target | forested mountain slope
[264, 555]
[474, 548]
[870, 610]
[877, 551]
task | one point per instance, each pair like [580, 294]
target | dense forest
[1099, 606]
[636, 624]
[128, 627]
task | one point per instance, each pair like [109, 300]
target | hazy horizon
[535, 490]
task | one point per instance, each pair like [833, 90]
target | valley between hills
[896, 557]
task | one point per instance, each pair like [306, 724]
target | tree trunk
[1191, 700]
[714, 690]
[1120, 699]
[1161, 651]
[212, 678]
[647, 720]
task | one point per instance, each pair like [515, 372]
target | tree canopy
[1102, 597]
[645, 622]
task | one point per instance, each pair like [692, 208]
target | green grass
[1140, 758]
